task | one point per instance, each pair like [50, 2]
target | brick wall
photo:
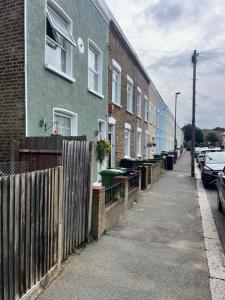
[119, 52]
[12, 83]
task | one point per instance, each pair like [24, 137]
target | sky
[164, 34]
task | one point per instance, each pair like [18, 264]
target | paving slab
[155, 252]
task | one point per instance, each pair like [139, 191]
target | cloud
[164, 33]
[165, 11]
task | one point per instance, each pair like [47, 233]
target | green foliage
[103, 149]
[187, 134]
[212, 138]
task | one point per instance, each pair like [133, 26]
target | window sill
[139, 117]
[130, 112]
[61, 74]
[126, 156]
[138, 156]
[96, 93]
[116, 104]
[146, 121]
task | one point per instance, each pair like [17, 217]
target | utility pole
[194, 62]
[175, 122]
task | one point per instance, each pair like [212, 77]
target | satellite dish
[80, 44]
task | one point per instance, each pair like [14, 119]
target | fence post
[139, 181]
[91, 159]
[60, 224]
[146, 177]
[124, 180]
[98, 212]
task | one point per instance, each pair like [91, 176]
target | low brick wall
[104, 217]
[156, 171]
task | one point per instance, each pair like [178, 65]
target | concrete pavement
[155, 252]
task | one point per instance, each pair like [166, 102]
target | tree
[212, 138]
[219, 129]
[198, 136]
[187, 129]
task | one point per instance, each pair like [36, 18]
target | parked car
[212, 164]
[200, 157]
[221, 191]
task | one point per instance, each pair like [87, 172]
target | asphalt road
[218, 216]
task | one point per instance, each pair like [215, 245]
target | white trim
[96, 93]
[116, 65]
[100, 66]
[61, 74]
[104, 132]
[112, 121]
[130, 79]
[146, 97]
[68, 113]
[139, 90]
[127, 126]
[25, 66]
[139, 129]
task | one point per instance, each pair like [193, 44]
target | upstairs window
[116, 83]
[146, 109]
[94, 68]
[129, 94]
[59, 40]
[138, 102]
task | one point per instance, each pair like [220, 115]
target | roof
[113, 21]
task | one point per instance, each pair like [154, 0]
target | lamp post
[175, 122]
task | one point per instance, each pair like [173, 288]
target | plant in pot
[103, 149]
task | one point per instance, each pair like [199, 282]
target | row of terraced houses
[67, 68]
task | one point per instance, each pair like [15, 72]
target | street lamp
[175, 129]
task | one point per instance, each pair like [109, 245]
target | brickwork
[104, 217]
[12, 82]
[119, 51]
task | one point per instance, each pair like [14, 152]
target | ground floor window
[138, 147]
[127, 140]
[65, 122]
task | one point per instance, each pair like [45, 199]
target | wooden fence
[77, 194]
[30, 222]
[41, 152]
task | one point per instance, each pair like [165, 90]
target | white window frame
[146, 108]
[128, 129]
[70, 42]
[68, 114]
[139, 103]
[147, 141]
[130, 83]
[139, 142]
[98, 51]
[104, 131]
[116, 67]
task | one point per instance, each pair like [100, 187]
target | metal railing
[133, 182]
[114, 193]
[13, 167]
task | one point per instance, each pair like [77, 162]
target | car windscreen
[215, 158]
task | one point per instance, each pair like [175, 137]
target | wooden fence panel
[76, 194]
[29, 219]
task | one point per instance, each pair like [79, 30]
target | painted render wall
[45, 89]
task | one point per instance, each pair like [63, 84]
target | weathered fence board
[41, 152]
[30, 222]
[77, 185]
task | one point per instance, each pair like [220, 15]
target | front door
[111, 136]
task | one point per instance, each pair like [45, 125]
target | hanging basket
[103, 149]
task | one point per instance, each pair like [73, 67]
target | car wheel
[206, 185]
[219, 205]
